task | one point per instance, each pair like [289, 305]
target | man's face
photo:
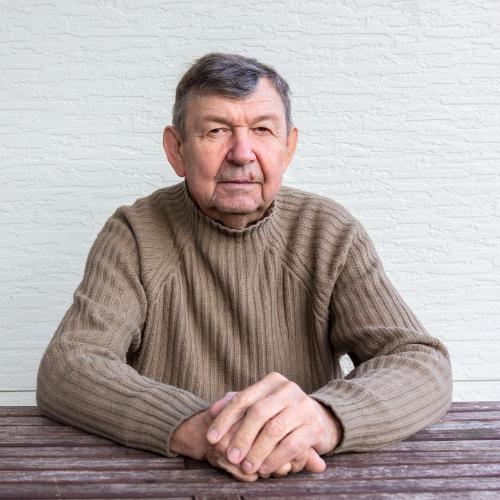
[233, 154]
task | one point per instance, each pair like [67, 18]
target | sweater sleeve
[84, 379]
[401, 381]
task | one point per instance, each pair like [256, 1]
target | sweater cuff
[351, 414]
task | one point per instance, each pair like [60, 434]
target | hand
[308, 460]
[189, 439]
[279, 424]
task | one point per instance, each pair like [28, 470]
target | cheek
[273, 169]
[271, 187]
[204, 165]
[211, 156]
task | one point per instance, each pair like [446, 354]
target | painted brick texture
[398, 106]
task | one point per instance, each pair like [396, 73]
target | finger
[314, 462]
[296, 465]
[223, 445]
[291, 446]
[269, 438]
[283, 470]
[265, 424]
[239, 404]
[216, 408]
[218, 460]
[266, 415]
[216, 455]
[236, 472]
[300, 461]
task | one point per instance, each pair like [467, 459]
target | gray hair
[228, 75]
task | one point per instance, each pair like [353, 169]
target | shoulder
[151, 216]
[150, 220]
[158, 203]
[313, 212]
[316, 232]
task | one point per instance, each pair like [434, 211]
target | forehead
[264, 100]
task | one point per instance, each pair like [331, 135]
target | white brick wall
[398, 103]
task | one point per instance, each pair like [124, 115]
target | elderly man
[212, 314]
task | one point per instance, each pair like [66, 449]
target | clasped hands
[269, 428]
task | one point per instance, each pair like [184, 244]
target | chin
[245, 208]
[239, 211]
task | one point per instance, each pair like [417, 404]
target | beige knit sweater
[175, 309]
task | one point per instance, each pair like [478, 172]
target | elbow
[440, 382]
[55, 381]
[47, 381]
[446, 380]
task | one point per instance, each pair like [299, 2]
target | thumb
[219, 405]
[314, 463]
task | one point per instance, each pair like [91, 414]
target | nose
[241, 151]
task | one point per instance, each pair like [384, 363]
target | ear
[291, 145]
[172, 143]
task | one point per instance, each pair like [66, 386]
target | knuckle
[239, 399]
[241, 440]
[294, 447]
[221, 447]
[292, 386]
[314, 421]
[319, 431]
[215, 458]
[210, 455]
[276, 376]
[223, 444]
[301, 457]
[258, 411]
[275, 428]
[283, 470]
[297, 465]
[317, 426]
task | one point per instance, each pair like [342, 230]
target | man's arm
[84, 379]
[401, 382]
[402, 379]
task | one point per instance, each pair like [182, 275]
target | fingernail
[234, 455]
[212, 435]
[247, 466]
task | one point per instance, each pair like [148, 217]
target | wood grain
[458, 457]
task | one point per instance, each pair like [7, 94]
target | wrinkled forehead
[263, 100]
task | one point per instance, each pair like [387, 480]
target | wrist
[333, 427]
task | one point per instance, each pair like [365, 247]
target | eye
[262, 130]
[217, 131]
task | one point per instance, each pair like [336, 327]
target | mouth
[236, 181]
[239, 183]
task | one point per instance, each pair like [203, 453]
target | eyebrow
[220, 119]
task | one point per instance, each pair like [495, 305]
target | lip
[237, 182]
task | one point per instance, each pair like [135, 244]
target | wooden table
[459, 457]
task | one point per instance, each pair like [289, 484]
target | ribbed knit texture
[175, 309]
